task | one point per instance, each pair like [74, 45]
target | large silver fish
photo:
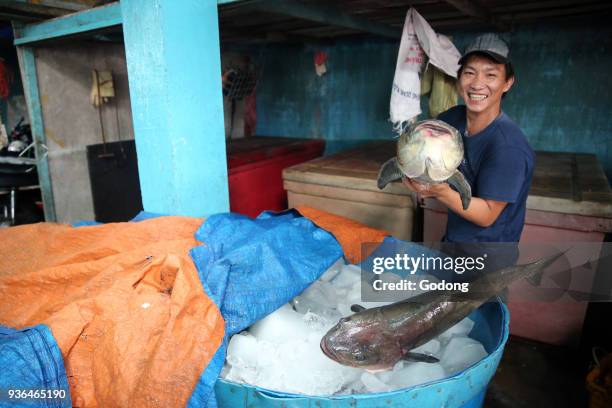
[429, 152]
[377, 338]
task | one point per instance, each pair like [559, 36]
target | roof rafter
[323, 15]
[475, 9]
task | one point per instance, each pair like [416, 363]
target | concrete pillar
[174, 72]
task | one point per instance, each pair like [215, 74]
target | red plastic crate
[255, 167]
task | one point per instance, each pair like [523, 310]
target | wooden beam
[174, 73]
[570, 12]
[324, 15]
[474, 9]
[27, 63]
[77, 23]
[15, 16]
[57, 4]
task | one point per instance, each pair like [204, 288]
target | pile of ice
[281, 352]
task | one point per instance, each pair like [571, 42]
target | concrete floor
[533, 374]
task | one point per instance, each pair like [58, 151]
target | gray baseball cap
[490, 44]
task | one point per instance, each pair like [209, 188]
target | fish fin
[357, 308]
[420, 357]
[535, 279]
[590, 264]
[458, 181]
[389, 172]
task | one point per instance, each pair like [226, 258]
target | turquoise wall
[561, 100]
[347, 105]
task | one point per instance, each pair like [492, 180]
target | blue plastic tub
[465, 389]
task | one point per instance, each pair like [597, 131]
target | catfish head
[362, 340]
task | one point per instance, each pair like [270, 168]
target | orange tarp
[350, 234]
[123, 301]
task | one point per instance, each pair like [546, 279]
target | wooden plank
[591, 176]
[569, 206]
[568, 221]
[576, 189]
[38, 10]
[325, 15]
[85, 21]
[474, 9]
[349, 194]
[27, 62]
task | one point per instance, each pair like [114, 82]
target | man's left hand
[436, 191]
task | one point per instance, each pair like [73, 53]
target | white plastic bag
[406, 90]
[418, 41]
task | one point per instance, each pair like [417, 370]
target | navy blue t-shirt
[498, 164]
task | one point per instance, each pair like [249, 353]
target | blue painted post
[174, 73]
[27, 62]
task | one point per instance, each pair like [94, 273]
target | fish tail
[532, 271]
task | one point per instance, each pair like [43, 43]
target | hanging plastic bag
[406, 92]
[418, 40]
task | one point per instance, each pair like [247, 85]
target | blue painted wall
[347, 105]
[562, 97]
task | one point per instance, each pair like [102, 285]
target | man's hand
[481, 212]
[428, 190]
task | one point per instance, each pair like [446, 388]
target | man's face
[482, 84]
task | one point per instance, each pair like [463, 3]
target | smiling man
[498, 161]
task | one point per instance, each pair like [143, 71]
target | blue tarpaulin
[248, 267]
[31, 361]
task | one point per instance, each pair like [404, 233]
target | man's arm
[481, 212]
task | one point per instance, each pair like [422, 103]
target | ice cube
[385, 376]
[242, 350]
[317, 298]
[349, 274]
[247, 375]
[308, 371]
[431, 348]
[354, 294]
[460, 353]
[352, 387]
[225, 370]
[333, 270]
[344, 309]
[373, 384]
[281, 326]
[321, 324]
[416, 373]
[461, 329]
